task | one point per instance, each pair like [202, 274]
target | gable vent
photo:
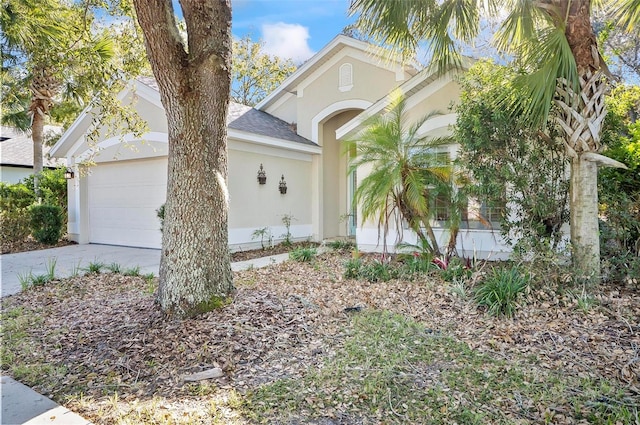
[345, 77]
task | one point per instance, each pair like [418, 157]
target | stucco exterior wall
[254, 206]
[286, 108]
[123, 149]
[106, 193]
[336, 200]
[370, 83]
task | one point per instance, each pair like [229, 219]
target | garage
[123, 198]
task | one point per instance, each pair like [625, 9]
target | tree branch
[207, 39]
[164, 45]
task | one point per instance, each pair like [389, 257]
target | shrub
[417, 263]
[341, 245]
[377, 271]
[456, 269]
[352, 268]
[263, 233]
[15, 196]
[14, 225]
[500, 290]
[160, 214]
[287, 236]
[303, 254]
[52, 187]
[46, 223]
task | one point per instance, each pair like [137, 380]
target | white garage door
[123, 199]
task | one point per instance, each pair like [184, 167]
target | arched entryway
[335, 213]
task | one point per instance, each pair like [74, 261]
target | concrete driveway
[70, 258]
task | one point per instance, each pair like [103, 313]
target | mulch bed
[244, 255]
[285, 319]
[30, 244]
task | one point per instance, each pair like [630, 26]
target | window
[492, 212]
[441, 207]
[484, 215]
[345, 77]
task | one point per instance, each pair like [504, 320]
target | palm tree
[47, 46]
[405, 174]
[553, 43]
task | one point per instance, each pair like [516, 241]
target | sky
[295, 29]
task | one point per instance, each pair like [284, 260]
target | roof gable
[335, 46]
[240, 117]
[422, 82]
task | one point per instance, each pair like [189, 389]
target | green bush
[373, 271]
[303, 254]
[352, 268]
[160, 214]
[456, 270]
[500, 290]
[46, 223]
[52, 187]
[416, 263]
[377, 271]
[341, 245]
[14, 225]
[15, 196]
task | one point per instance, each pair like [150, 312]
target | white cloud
[287, 41]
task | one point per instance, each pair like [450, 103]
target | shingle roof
[17, 149]
[246, 118]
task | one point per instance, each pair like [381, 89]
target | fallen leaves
[287, 319]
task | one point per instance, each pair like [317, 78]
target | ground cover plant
[300, 343]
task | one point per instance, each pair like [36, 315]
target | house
[16, 154]
[294, 135]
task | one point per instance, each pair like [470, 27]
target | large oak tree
[194, 81]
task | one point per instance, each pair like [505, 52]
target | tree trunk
[585, 237]
[195, 271]
[44, 86]
[37, 135]
[582, 113]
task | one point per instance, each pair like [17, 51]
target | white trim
[67, 134]
[132, 89]
[405, 88]
[437, 122]
[272, 141]
[313, 62]
[324, 67]
[335, 107]
[153, 136]
[278, 103]
[428, 91]
[244, 146]
[148, 93]
[239, 136]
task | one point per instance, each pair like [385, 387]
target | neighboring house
[295, 132]
[16, 154]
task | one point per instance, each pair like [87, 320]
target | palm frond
[548, 59]
[519, 27]
[628, 12]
